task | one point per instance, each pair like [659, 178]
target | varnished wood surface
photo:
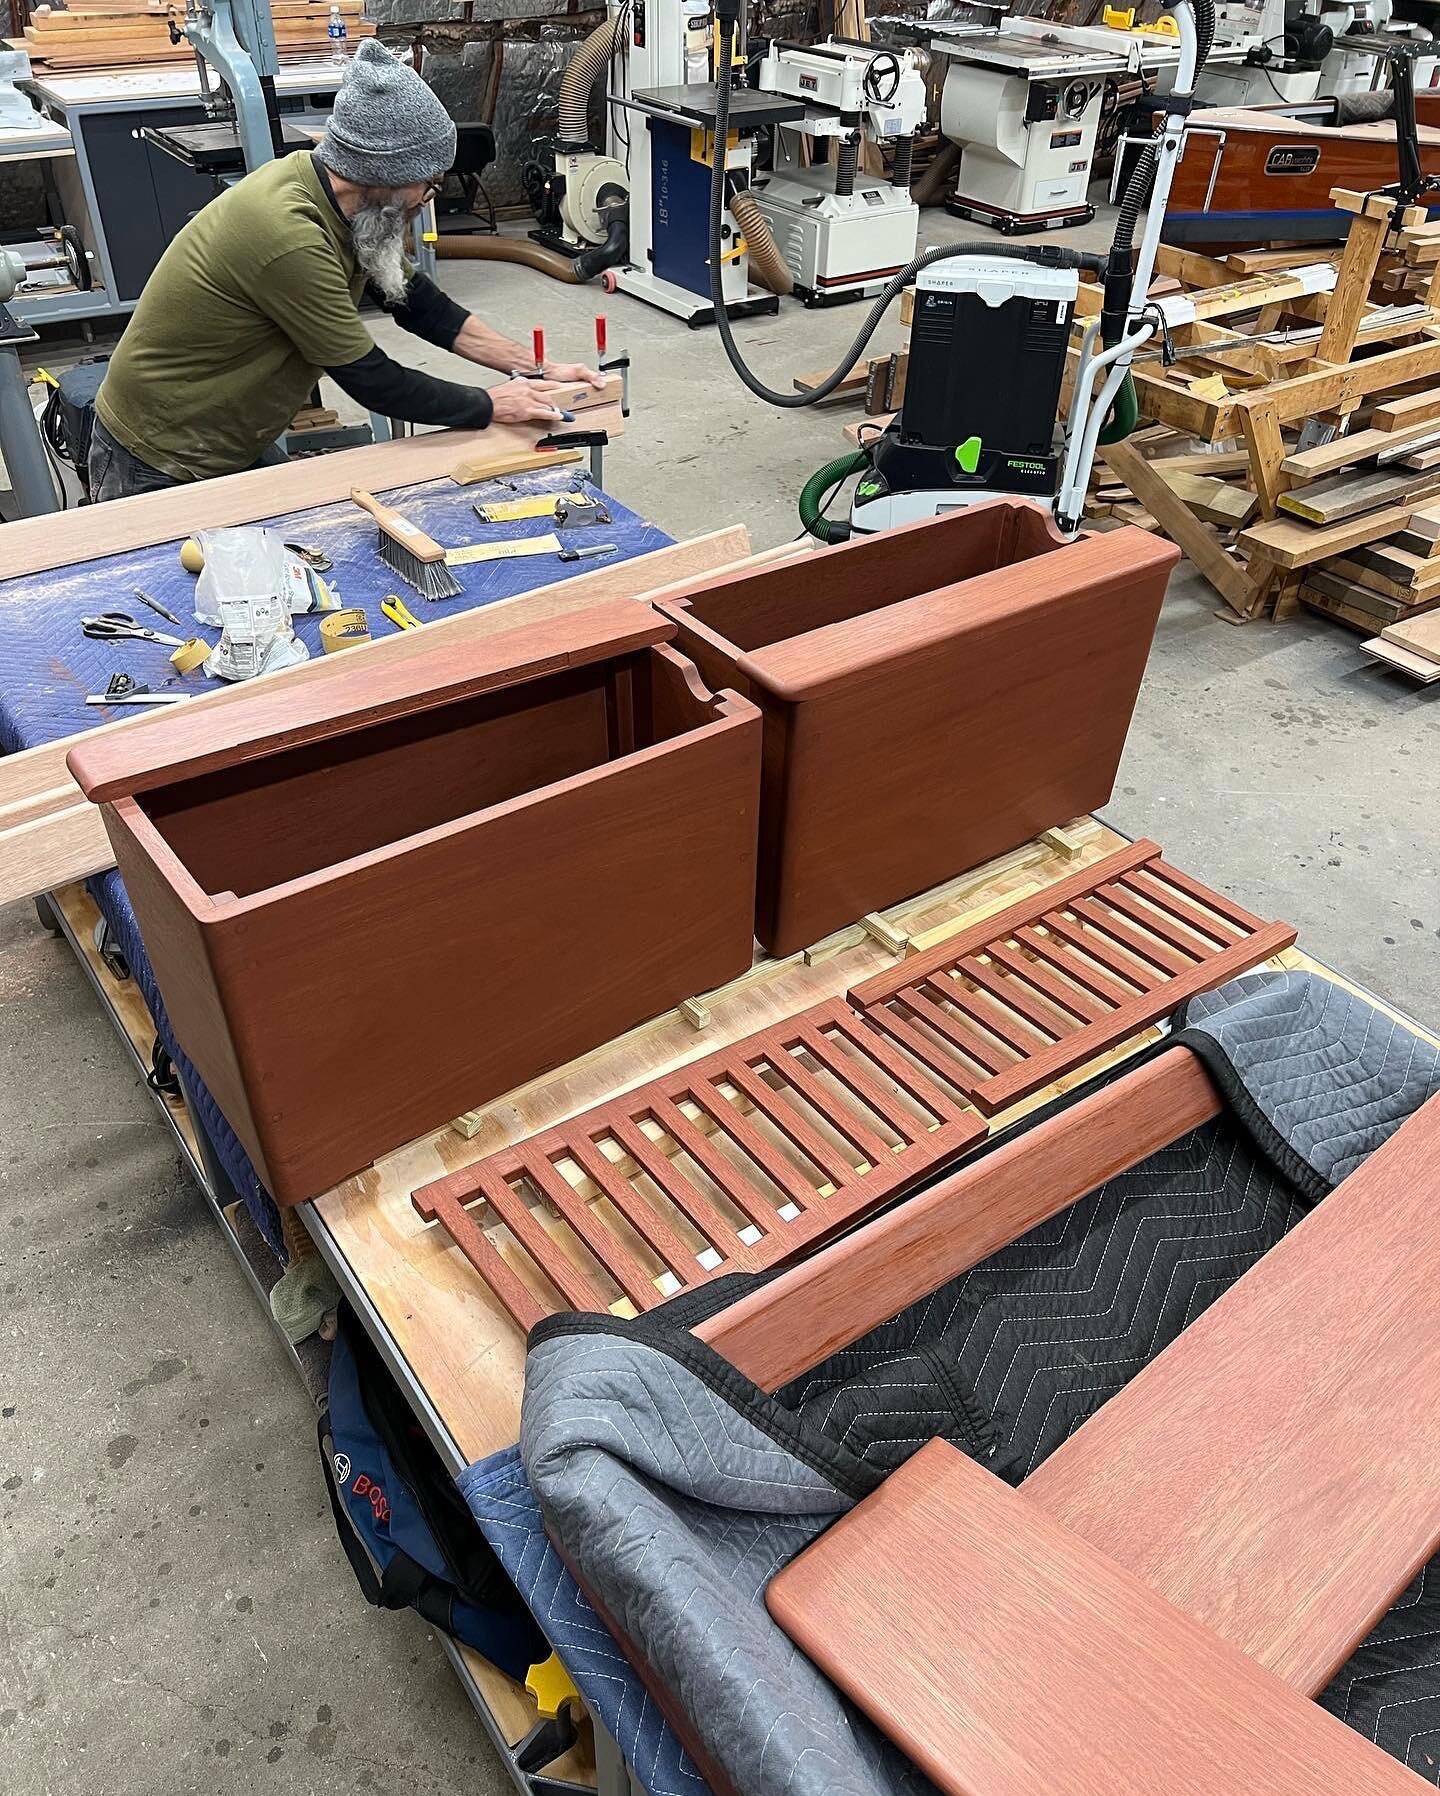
[1006, 1655]
[932, 697]
[789, 1134]
[30, 545]
[50, 834]
[495, 944]
[1272, 1472]
[814, 1309]
[189, 742]
[1002, 1009]
[465, 1350]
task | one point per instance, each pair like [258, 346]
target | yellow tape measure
[343, 629]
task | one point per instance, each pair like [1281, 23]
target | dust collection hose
[581, 72]
[726, 13]
[818, 487]
[511, 249]
[765, 258]
[726, 17]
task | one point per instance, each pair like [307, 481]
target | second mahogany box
[377, 899]
[933, 696]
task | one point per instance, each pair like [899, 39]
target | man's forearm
[478, 343]
[395, 391]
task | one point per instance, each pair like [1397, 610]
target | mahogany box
[933, 697]
[375, 901]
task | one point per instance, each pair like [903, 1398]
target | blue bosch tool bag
[404, 1526]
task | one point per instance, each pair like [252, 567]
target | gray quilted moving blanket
[675, 1488]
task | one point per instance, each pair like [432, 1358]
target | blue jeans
[114, 473]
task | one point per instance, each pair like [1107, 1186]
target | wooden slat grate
[729, 1164]
[1001, 1010]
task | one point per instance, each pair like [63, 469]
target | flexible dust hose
[581, 74]
[510, 249]
[1047, 254]
[613, 250]
[929, 188]
[818, 488]
[765, 258]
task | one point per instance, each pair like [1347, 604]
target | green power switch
[968, 455]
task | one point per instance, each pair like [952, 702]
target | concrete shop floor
[176, 1612]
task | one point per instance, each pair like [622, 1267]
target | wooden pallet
[752, 1152]
[1000, 1010]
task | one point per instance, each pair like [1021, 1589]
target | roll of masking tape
[343, 629]
[189, 655]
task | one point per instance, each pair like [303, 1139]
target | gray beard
[378, 233]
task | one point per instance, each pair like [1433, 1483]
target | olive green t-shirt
[253, 299]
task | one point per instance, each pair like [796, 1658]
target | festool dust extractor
[989, 338]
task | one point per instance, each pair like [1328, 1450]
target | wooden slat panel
[1098, 948]
[728, 1120]
[1139, 942]
[542, 1247]
[617, 1259]
[1018, 993]
[450, 1212]
[1079, 1004]
[791, 1123]
[909, 1078]
[681, 1192]
[820, 1197]
[745, 1195]
[999, 927]
[646, 1221]
[925, 1010]
[983, 1009]
[1155, 953]
[1050, 948]
[843, 1120]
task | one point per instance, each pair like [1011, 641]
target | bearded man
[259, 294]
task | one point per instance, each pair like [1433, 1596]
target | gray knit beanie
[388, 128]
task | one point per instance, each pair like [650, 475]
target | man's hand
[531, 401]
[574, 372]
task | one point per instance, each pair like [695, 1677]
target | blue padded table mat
[48, 665]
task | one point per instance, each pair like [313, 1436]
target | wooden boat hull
[1249, 175]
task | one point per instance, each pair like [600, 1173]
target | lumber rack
[1295, 369]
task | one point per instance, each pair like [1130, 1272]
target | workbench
[454, 1351]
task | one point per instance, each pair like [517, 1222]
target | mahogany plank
[876, 661]
[462, 846]
[1152, 961]
[1272, 1472]
[760, 1150]
[30, 545]
[1005, 1655]
[797, 1319]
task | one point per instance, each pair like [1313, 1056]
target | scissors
[111, 624]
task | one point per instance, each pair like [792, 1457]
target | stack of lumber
[97, 35]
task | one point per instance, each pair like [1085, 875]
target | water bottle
[335, 31]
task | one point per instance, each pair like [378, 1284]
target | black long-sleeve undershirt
[425, 311]
[395, 391]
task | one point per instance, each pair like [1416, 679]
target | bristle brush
[407, 551]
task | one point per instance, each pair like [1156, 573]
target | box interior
[778, 603]
[285, 815]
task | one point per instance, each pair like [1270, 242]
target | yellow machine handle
[549, 1683]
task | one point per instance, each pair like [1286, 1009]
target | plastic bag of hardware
[245, 589]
